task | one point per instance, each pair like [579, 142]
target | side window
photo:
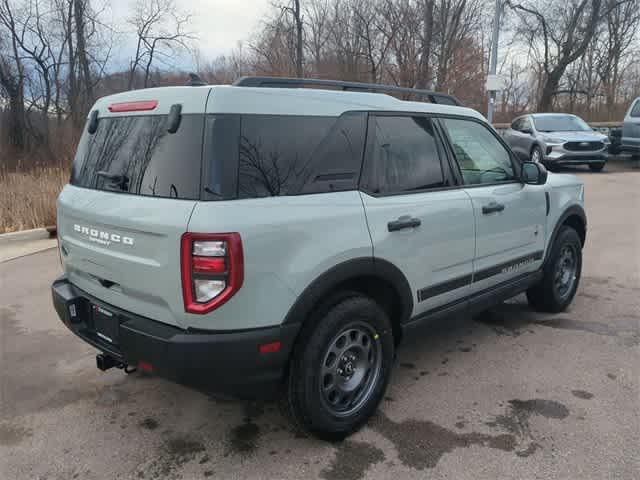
[404, 156]
[292, 155]
[481, 157]
[635, 111]
[517, 124]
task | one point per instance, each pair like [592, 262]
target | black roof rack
[289, 82]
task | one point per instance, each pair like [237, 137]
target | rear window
[136, 155]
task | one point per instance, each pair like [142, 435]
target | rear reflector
[209, 265]
[145, 367]
[133, 106]
[272, 347]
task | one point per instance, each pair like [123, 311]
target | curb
[25, 235]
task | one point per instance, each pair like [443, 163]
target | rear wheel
[561, 274]
[340, 368]
[596, 167]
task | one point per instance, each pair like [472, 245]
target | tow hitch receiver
[105, 362]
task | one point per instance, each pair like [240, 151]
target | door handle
[403, 222]
[492, 207]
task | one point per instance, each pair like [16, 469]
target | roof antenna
[195, 80]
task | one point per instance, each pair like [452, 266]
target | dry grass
[28, 199]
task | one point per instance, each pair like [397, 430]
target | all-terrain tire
[303, 399]
[547, 296]
[536, 154]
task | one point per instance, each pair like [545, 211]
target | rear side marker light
[139, 106]
[212, 269]
[272, 347]
[145, 367]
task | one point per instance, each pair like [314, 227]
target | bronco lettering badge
[102, 237]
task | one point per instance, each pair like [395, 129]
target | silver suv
[557, 139]
[285, 239]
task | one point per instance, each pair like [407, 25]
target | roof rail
[289, 82]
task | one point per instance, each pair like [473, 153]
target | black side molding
[478, 301]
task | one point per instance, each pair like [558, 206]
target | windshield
[560, 123]
[136, 155]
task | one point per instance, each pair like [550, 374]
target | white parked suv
[285, 239]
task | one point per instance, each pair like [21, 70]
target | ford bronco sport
[285, 239]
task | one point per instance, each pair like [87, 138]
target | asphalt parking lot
[512, 394]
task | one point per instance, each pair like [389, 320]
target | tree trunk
[551, 82]
[17, 123]
[83, 59]
[76, 115]
[427, 39]
[298, 20]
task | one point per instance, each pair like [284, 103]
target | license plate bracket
[106, 324]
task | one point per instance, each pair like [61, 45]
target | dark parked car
[631, 129]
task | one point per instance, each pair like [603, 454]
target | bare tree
[12, 75]
[161, 31]
[428, 7]
[317, 14]
[376, 34]
[294, 10]
[613, 46]
[559, 35]
[457, 21]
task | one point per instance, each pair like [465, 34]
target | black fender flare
[576, 210]
[318, 289]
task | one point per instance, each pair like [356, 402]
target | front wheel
[596, 167]
[340, 368]
[561, 274]
[536, 154]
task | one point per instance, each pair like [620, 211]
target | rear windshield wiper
[119, 180]
[211, 192]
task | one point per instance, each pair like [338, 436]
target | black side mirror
[526, 131]
[534, 173]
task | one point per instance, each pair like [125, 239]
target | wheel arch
[574, 217]
[373, 277]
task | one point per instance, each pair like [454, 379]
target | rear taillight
[212, 269]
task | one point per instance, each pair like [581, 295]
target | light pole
[493, 60]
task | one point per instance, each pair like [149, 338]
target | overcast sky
[219, 24]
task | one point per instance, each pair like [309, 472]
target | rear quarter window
[137, 155]
[293, 155]
[635, 111]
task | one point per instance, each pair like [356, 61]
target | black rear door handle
[403, 222]
[492, 207]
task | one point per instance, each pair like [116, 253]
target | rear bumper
[219, 361]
